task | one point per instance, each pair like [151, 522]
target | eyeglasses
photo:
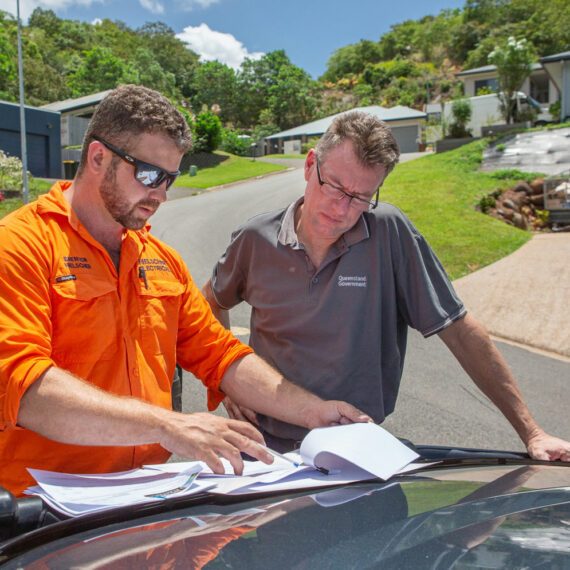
[147, 174]
[337, 193]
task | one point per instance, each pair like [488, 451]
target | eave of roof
[80, 102]
[398, 113]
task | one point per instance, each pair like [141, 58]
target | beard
[121, 210]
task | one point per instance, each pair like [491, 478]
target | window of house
[487, 85]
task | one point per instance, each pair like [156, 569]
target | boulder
[522, 186]
[536, 185]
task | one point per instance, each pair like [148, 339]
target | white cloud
[189, 5]
[152, 6]
[212, 45]
[28, 6]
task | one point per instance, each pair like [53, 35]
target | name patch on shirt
[153, 265]
[352, 281]
[63, 278]
[76, 262]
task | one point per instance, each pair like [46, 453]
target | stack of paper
[328, 456]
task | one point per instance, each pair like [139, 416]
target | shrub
[486, 202]
[11, 176]
[311, 143]
[461, 111]
[207, 132]
[554, 110]
[234, 144]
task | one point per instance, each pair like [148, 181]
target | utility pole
[23, 145]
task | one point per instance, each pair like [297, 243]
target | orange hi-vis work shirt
[63, 304]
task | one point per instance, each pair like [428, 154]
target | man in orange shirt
[95, 313]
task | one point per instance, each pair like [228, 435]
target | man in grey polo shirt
[334, 281]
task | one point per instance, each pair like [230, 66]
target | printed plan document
[327, 456]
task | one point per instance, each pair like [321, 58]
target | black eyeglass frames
[147, 174]
[338, 194]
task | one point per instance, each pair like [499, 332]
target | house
[75, 115]
[43, 146]
[538, 84]
[558, 68]
[404, 122]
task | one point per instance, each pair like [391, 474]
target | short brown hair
[372, 140]
[131, 110]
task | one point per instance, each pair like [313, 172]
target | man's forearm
[479, 357]
[64, 408]
[250, 381]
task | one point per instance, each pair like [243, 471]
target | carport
[558, 67]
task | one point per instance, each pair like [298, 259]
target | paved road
[438, 404]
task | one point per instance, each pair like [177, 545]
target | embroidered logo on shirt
[76, 262]
[352, 281]
[153, 265]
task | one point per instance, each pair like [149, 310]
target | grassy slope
[233, 169]
[439, 194]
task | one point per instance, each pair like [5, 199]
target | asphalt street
[438, 403]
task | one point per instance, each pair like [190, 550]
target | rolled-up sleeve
[25, 323]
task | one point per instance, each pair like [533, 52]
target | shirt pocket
[85, 317]
[159, 304]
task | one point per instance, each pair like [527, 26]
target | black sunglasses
[147, 174]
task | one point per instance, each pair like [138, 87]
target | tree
[514, 63]
[293, 99]
[8, 58]
[215, 84]
[101, 70]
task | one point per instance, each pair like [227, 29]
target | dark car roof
[504, 514]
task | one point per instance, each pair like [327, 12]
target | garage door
[406, 138]
[38, 154]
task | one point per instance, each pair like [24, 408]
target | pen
[280, 455]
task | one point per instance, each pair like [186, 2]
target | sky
[230, 30]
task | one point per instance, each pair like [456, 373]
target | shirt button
[315, 279]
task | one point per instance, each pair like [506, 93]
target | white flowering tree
[514, 63]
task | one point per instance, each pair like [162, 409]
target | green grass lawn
[35, 188]
[438, 192]
[230, 170]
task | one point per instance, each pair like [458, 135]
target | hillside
[413, 63]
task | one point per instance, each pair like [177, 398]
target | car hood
[493, 516]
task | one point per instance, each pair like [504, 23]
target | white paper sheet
[365, 445]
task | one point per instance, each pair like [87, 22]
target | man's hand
[334, 413]
[546, 447]
[205, 437]
[237, 412]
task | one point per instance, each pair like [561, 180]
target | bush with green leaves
[11, 174]
[233, 143]
[461, 111]
[311, 143]
[207, 130]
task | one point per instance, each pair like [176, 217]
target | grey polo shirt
[339, 330]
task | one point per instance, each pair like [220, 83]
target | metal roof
[398, 113]
[73, 104]
[488, 69]
[555, 57]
